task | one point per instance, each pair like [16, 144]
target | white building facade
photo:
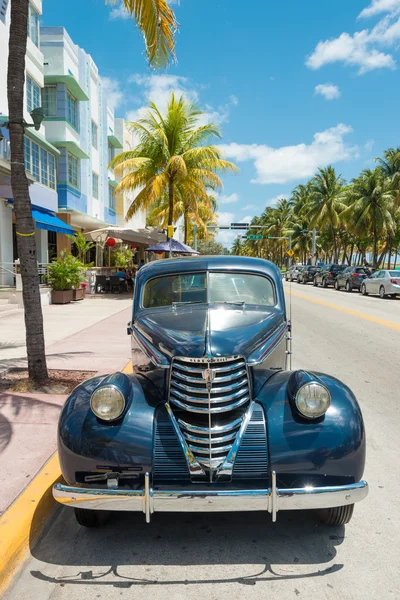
[40, 155]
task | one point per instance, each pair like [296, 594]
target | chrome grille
[209, 399]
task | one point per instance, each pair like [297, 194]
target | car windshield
[337, 267]
[190, 288]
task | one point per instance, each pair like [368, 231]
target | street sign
[254, 237]
[290, 253]
[240, 225]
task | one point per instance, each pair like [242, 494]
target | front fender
[327, 451]
[86, 444]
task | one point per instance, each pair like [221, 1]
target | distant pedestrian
[141, 264]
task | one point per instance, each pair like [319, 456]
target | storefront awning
[46, 220]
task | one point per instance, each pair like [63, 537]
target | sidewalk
[89, 335]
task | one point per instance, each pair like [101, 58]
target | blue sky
[294, 84]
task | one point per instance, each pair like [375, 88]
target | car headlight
[107, 403]
[313, 400]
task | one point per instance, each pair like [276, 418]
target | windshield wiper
[189, 302]
[230, 302]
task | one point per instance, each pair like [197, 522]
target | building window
[95, 134]
[33, 25]
[32, 94]
[27, 144]
[110, 153]
[35, 161]
[95, 185]
[40, 163]
[73, 170]
[111, 198]
[52, 171]
[49, 100]
[72, 111]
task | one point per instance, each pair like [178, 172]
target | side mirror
[129, 328]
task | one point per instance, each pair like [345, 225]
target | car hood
[220, 331]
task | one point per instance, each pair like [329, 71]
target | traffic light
[170, 231]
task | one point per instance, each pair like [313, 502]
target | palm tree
[158, 25]
[326, 202]
[237, 246]
[371, 206]
[170, 158]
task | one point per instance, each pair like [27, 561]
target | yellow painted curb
[128, 369]
[349, 311]
[21, 524]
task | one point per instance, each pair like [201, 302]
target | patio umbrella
[175, 246]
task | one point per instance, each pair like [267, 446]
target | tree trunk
[171, 202]
[390, 252]
[186, 223]
[375, 249]
[25, 228]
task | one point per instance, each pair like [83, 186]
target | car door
[342, 276]
[373, 283]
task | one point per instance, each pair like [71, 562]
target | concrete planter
[61, 297]
[78, 294]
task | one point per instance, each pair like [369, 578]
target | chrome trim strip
[224, 388]
[274, 497]
[211, 500]
[218, 400]
[215, 440]
[203, 360]
[194, 467]
[149, 350]
[146, 497]
[211, 450]
[222, 379]
[275, 340]
[218, 409]
[227, 466]
[217, 429]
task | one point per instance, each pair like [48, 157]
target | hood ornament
[208, 376]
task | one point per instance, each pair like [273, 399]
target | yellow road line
[349, 311]
[21, 524]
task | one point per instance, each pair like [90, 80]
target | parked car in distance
[327, 275]
[219, 421]
[292, 272]
[351, 278]
[384, 282]
[306, 274]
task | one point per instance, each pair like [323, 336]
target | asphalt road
[228, 556]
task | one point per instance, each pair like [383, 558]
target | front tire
[324, 283]
[90, 518]
[348, 287]
[382, 292]
[337, 286]
[364, 290]
[339, 515]
[315, 282]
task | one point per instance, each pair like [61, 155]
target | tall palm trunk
[375, 252]
[186, 223]
[171, 201]
[22, 205]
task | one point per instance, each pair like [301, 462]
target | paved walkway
[89, 335]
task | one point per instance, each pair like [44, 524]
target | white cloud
[290, 163]
[249, 207]
[364, 49]
[158, 89]
[328, 91]
[380, 6]
[114, 93]
[119, 12]
[223, 199]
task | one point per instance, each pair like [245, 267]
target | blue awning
[46, 220]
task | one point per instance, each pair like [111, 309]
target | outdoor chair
[102, 284]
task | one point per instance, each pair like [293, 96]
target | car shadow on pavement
[126, 552]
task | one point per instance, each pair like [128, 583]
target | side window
[381, 275]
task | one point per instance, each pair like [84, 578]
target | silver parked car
[384, 282]
[292, 273]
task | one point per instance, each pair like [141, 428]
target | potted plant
[63, 275]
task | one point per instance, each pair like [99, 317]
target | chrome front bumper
[271, 499]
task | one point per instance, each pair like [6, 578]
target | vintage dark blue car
[211, 419]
